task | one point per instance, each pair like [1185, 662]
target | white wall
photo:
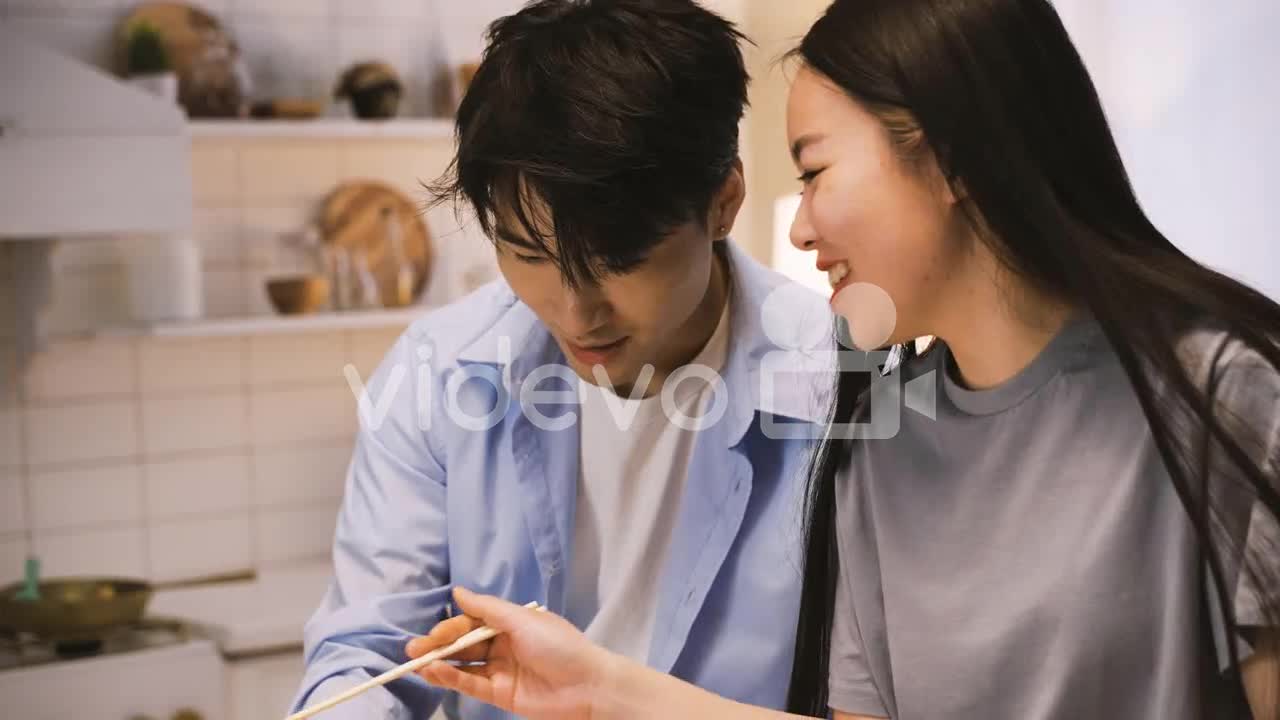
[1190, 88]
[775, 27]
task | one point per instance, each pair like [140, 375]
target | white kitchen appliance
[157, 671]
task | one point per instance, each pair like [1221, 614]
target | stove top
[20, 650]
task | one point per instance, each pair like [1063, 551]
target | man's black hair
[600, 126]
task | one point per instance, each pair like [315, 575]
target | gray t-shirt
[1025, 555]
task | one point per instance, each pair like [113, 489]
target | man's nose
[584, 308]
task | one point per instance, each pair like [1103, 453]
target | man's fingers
[473, 682]
[444, 633]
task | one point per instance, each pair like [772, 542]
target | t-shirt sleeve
[1248, 398]
[852, 690]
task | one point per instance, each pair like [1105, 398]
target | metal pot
[75, 609]
[79, 610]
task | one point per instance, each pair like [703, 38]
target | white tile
[10, 436]
[169, 365]
[19, 7]
[216, 8]
[88, 253]
[466, 23]
[13, 557]
[84, 36]
[217, 232]
[257, 301]
[215, 173]
[94, 552]
[8, 311]
[13, 503]
[404, 164]
[82, 432]
[253, 10]
[87, 300]
[201, 546]
[265, 230]
[193, 422]
[10, 378]
[291, 535]
[365, 9]
[81, 369]
[96, 497]
[197, 485]
[368, 348]
[287, 170]
[302, 358]
[224, 293]
[287, 56]
[299, 415]
[299, 475]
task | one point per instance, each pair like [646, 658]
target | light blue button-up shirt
[465, 472]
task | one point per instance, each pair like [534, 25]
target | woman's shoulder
[1214, 354]
[1243, 383]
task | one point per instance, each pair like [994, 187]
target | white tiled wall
[113, 551]
[210, 544]
[102, 495]
[207, 484]
[13, 511]
[88, 432]
[182, 457]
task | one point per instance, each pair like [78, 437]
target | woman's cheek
[836, 223]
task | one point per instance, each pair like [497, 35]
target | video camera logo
[809, 361]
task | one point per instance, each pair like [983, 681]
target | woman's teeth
[836, 273]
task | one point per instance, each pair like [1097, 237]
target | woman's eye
[807, 176]
[530, 259]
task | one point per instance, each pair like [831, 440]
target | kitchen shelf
[276, 324]
[402, 128]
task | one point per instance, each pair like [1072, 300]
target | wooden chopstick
[475, 637]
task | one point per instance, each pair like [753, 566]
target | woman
[1089, 527]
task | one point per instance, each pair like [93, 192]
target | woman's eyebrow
[802, 142]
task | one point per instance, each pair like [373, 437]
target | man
[590, 432]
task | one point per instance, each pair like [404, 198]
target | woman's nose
[803, 236]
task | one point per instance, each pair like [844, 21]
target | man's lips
[596, 353]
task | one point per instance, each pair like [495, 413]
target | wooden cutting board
[351, 217]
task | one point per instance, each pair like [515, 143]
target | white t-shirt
[633, 460]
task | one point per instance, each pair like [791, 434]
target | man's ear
[728, 201]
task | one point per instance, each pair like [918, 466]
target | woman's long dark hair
[997, 92]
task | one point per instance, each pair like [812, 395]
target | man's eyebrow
[511, 238]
